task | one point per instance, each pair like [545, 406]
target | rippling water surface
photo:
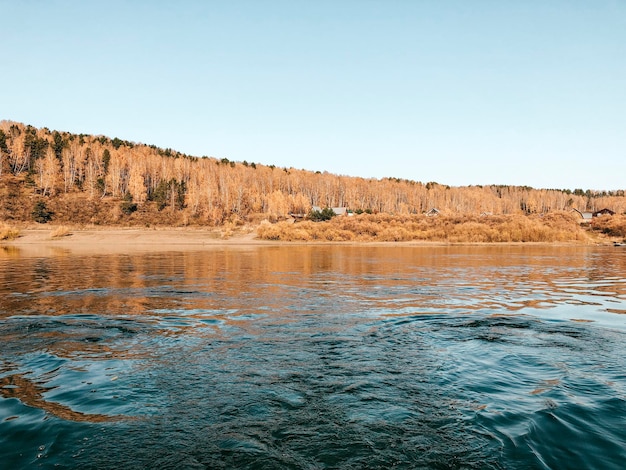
[315, 357]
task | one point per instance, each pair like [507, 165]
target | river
[314, 357]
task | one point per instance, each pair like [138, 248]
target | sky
[461, 92]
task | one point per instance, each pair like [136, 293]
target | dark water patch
[74, 334]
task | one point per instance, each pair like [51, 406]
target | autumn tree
[210, 190]
[47, 169]
[4, 150]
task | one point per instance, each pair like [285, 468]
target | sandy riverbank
[40, 241]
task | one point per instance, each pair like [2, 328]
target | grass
[7, 232]
[552, 227]
[60, 232]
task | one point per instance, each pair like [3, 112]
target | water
[313, 357]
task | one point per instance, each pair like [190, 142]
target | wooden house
[602, 212]
[585, 217]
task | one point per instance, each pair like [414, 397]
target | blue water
[315, 357]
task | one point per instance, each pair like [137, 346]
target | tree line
[207, 190]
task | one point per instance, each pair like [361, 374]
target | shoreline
[114, 240]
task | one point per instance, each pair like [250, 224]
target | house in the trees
[602, 212]
[585, 217]
[433, 212]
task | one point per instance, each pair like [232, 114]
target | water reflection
[31, 394]
[315, 357]
[436, 278]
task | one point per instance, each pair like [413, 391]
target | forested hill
[96, 179]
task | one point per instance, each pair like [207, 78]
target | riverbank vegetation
[613, 226]
[8, 232]
[60, 232]
[80, 180]
[553, 227]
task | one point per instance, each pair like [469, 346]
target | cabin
[433, 212]
[585, 217]
[602, 212]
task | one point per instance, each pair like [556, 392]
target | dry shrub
[61, 231]
[555, 227]
[564, 226]
[236, 220]
[361, 226]
[394, 234]
[226, 233]
[613, 226]
[474, 232]
[256, 218]
[334, 234]
[7, 232]
[305, 231]
[267, 231]
[321, 231]
[283, 231]
[292, 232]
[521, 228]
[300, 235]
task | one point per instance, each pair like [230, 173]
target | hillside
[84, 179]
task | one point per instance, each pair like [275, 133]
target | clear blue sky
[527, 92]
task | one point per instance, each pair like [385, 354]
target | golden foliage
[61, 231]
[556, 227]
[613, 226]
[84, 178]
[304, 231]
[8, 232]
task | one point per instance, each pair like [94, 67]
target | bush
[60, 232]
[41, 214]
[319, 216]
[555, 227]
[8, 233]
[613, 226]
[128, 206]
